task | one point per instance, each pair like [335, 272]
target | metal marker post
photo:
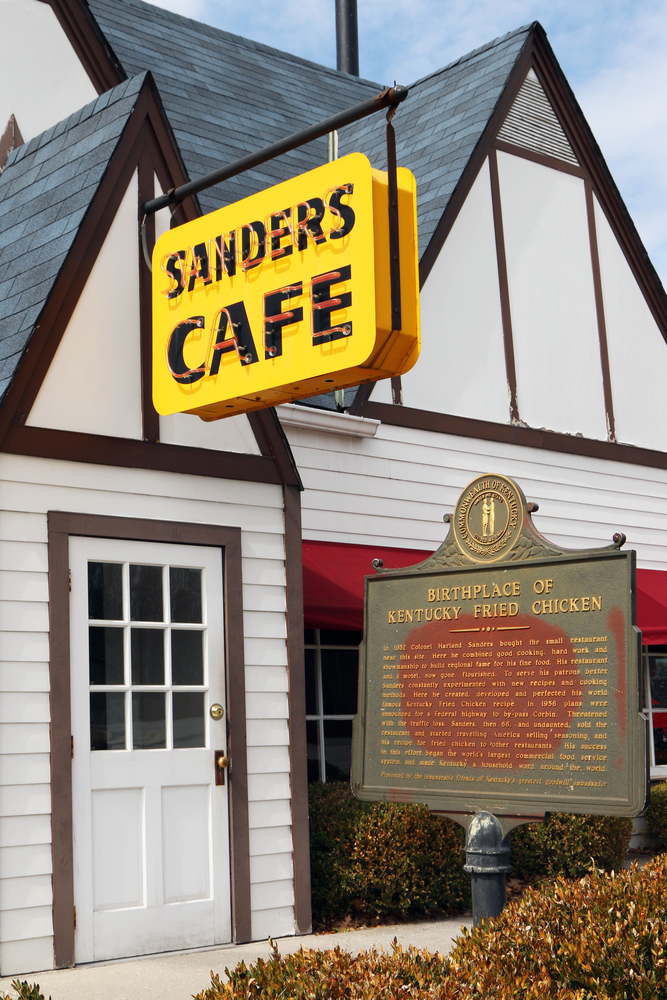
[487, 860]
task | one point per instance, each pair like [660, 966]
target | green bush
[656, 816]
[565, 844]
[602, 937]
[377, 859]
[24, 991]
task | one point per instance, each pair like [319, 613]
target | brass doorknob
[222, 761]
[216, 711]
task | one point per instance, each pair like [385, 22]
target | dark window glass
[185, 594]
[338, 749]
[340, 669]
[148, 724]
[658, 676]
[309, 636]
[105, 591]
[147, 646]
[107, 720]
[311, 683]
[339, 637]
[189, 730]
[660, 741]
[312, 752]
[146, 593]
[187, 657]
[105, 655]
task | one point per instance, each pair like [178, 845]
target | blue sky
[613, 52]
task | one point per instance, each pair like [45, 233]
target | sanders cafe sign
[285, 294]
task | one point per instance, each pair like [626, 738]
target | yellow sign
[285, 294]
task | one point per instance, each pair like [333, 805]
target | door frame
[61, 525]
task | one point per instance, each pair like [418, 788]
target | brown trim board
[503, 285]
[60, 526]
[150, 418]
[599, 309]
[91, 46]
[273, 443]
[297, 711]
[528, 437]
[97, 449]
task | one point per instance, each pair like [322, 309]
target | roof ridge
[241, 40]
[525, 29]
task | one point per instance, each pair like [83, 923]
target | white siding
[28, 489]
[552, 299]
[56, 85]
[94, 380]
[637, 349]
[394, 488]
[461, 369]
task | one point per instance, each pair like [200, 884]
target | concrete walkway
[178, 975]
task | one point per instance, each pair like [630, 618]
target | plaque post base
[487, 860]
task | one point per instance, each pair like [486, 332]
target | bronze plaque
[502, 672]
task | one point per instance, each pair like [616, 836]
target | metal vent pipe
[347, 37]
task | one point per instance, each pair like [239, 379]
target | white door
[151, 832]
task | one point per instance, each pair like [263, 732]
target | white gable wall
[461, 369]
[43, 81]
[28, 489]
[552, 299]
[637, 349]
[94, 381]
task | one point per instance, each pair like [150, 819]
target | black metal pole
[487, 860]
[389, 98]
[347, 37]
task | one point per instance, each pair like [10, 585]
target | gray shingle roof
[439, 125]
[46, 189]
[227, 96]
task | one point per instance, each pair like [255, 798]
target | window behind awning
[333, 586]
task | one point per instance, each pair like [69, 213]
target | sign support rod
[389, 98]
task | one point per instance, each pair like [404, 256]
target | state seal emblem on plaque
[488, 518]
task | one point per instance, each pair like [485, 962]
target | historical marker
[502, 673]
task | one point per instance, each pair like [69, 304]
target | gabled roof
[46, 189]
[226, 96]
[440, 124]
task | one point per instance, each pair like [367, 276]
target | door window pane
[105, 591]
[313, 752]
[147, 655]
[107, 720]
[311, 683]
[658, 679]
[340, 668]
[187, 657]
[146, 594]
[185, 594]
[105, 655]
[338, 749]
[148, 721]
[189, 723]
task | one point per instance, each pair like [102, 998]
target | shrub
[565, 844]
[377, 859]
[602, 937]
[24, 991]
[656, 816]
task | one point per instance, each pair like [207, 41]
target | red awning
[652, 606]
[333, 586]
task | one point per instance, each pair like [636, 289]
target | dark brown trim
[151, 420]
[599, 309]
[363, 395]
[272, 442]
[469, 175]
[503, 284]
[60, 526]
[44, 442]
[396, 390]
[485, 430]
[94, 52]
[297, 711]
[9, 140]
[544, 161]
